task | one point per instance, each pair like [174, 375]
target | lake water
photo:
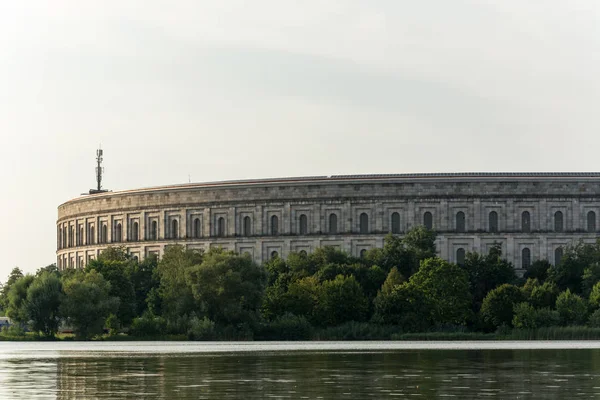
[299, 370]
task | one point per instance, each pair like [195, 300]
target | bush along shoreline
[399, 292]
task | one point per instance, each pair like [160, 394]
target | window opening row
[67, 237]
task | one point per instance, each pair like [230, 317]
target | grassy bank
[358, 331]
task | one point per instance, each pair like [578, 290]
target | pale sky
[235, 89]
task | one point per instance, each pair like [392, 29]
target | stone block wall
[147, 220]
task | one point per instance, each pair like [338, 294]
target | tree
[447, 288]
[406, 306]
[486, 273]
[591, 275]
[527, 317]
[87, 303]
[419, 242]
[341, 300]
[44, 297]
[227, 286]
[302, 298]
[15, 274]
[17, 299]
[175, 294]
[498, 306]
[569, 273]
[544, 295]
[571, 308]
[52, 269]
[595, 296]
[538, 270]
[144, 279]
[393, 279]
[115, 271]
[115, 253]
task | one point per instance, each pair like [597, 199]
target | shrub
[201, 329]
[407, 306]
[286, 327]
[594, 320]
[147, 325]
[527, 317]
[358, 331]
[498, 306]
[341, 300]
[571, 308]
[14, 330]
[112, 324]
[446, 286]
[544, 295]
[595, 296]
[524, 316]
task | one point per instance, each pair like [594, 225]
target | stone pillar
[477, 216]
[286, 220]
[410, 220]
[143, 234]
[574, 220]
[207, 223]
[510, 216]
[183, 224]
[125, 228]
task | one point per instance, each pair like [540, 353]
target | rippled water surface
[312, 370]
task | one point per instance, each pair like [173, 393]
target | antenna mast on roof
[99, 172]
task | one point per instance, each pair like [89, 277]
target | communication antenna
[99, 172]
[99, 168]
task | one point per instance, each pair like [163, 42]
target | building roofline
[386, 178]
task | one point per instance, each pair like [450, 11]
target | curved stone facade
[532, 215]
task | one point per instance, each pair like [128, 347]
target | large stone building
[532, 215]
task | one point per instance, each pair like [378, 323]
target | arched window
[364, 223]
[154, 231]
[221, 226]
[274, 254]
[135, 232]
[525, 222]
[118, 236]
[303, 224]
[71, 236]
[558, 254]
[91, 234]
[65, 237]
[174, 229]
[81, 235]
[104, 234]
[197, 228]
[493, 221]
[428, 220]
[303, 253]
[333, 228]
[591, 221]
[395, 222]
[525, 258]
[460, 221]
[460, 256]
[363, 253]
[558, 221]
[274, 225]
[247, 226]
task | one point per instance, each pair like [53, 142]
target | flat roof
[444, 176]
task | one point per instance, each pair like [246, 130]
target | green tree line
[401, 288]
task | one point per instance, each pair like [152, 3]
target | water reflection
[462, 374]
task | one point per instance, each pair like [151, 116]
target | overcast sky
[237, 89]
